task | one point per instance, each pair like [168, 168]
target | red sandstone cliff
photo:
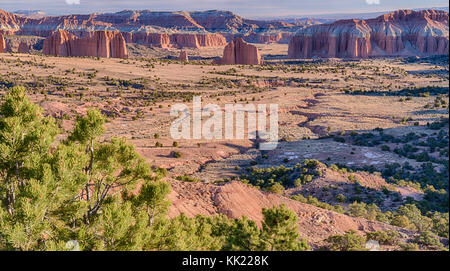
[179, 40]
[2, 44]
[240, 52]
[183, 57]
[106, 44]
[203, 29]
[283, 38]
[24, 48]
[403, 32]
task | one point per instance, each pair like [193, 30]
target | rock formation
[282, 38]
[404, 32]
[240, 52]
[106, 44]
[23, 48]
[2, 44]
[183, 57]
[161, 29]
[163, 40]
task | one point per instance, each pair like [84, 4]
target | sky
[245, 8]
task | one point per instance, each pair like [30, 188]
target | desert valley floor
[358, 118]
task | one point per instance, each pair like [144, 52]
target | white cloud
[72, 2]
[373, 2]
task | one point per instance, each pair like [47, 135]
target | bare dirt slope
[236, 199]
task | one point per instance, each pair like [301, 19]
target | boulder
[240, 52]
[105, 44]
[400, 33]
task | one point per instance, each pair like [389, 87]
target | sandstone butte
[183, 57]
[400, 33]
[240, 52]
[2, 44]
[105, 44]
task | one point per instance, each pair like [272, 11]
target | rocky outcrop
[105, 44]
[23, 44]
[240, 52]
[183, 57]
[401, 33]
[23, 48]
[161, 29]
[163, 40]
[2, 44]
[10, 23]
[282, 38]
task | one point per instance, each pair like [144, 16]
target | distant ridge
[399, 33]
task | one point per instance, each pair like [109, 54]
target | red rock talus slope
[237, 199]
[2, 44]
[106, 44]
[404, 32]
[240, 52]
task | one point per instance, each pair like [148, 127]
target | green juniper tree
[280, 230]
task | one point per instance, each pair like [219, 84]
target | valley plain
[363, 142]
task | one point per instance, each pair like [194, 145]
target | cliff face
[183, 57]
[106, 44]
[23, 48]
[403, 32]
[163, 40]
[2, 44]
[166, 29]
[240, 52]
[10, 23]
[283, 38]
[22, 44]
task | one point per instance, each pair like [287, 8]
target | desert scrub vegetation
[349, 241]
[407, 216]
[301, 173]
[410, 91]
[353, 241]
[430, 149]
[84, 189]
[368, 203]
[189, 179]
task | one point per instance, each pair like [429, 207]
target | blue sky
[247, 8]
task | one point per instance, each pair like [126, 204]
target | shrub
[429, 239]
[188, 179]
[350, 241]
[276, 188]
[389, 237]
[176, 154]
[401, 221]
[410, 247]
[341, 198]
